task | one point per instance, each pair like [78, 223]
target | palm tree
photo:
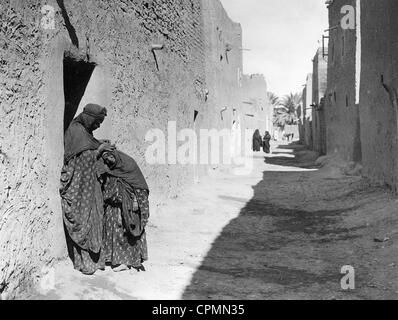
[286, 112]
[273, 99]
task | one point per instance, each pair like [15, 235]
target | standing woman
[266, 142]
[81, 194]
[126, 213]
[257, 141]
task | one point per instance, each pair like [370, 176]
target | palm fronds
[286, 112]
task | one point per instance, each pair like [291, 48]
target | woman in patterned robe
[81, 194]
[126, 213]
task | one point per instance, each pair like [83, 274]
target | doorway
[77, 74]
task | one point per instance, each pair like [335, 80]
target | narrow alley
[284, 232]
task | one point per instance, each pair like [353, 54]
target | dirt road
[283, 232]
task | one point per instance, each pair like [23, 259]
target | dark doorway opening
[195, 115]
[77, 74]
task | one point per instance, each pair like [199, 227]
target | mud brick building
[342, 111]
[255, 105]
[319, 82]
[301, 119]
[307, 111]
[224, 61]
[378, 111]
[148, 61]
[361, 105]
[223, 71]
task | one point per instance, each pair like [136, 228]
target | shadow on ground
[295, 155]
[274, 250]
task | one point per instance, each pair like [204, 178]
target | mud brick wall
[342, 114]
[116, 37]
[307, 100]
[307, 111]
[224, 64]
[319, 81]
[254, 89]
[23, 163]
[377, 115]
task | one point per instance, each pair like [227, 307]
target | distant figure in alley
[257, 141]
[266, 142]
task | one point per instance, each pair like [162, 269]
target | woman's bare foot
[120, 268]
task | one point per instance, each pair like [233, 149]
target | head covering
[127, 169]
[79, 136]
[95, 111]
[267, 135]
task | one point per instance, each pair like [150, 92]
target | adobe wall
[342, 114]
[224, 70]
[307, 111]
[319, 81]
[223, 43]
[301, 116]
[377, 115]
[254, 90]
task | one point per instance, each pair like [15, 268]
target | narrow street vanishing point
[284, 232]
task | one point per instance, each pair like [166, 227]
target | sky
[282, 36]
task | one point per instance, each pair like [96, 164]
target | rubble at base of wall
[335, 164]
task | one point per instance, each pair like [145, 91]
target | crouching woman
[126, 213]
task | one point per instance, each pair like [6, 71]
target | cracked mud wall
[23, 170]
